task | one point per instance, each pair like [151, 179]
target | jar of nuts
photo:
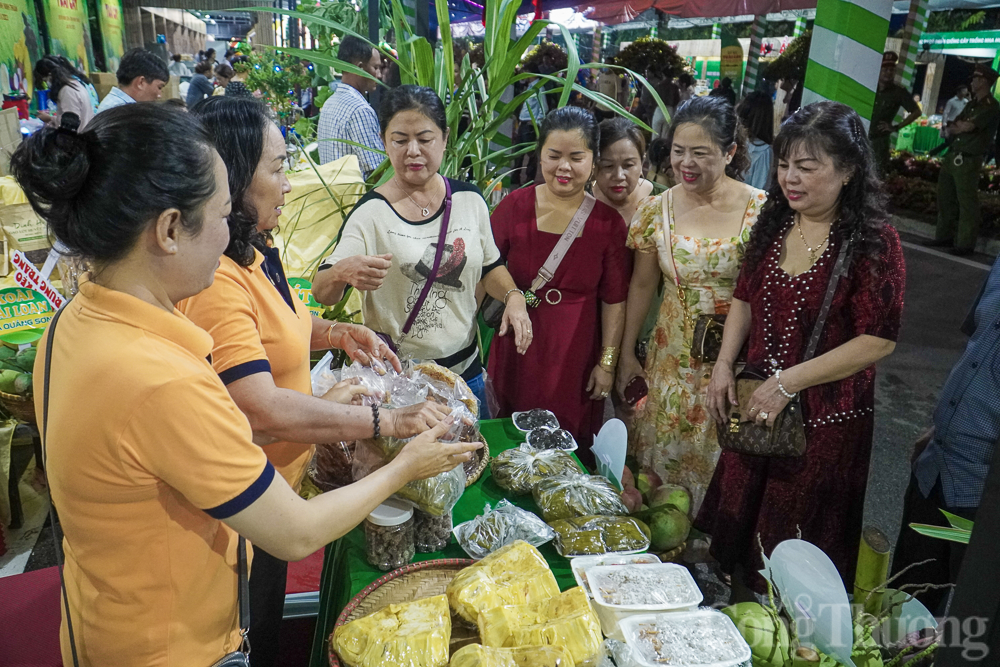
[389, 535]
[431, 533]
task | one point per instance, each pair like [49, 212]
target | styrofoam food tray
[727, 634]
[514, 419]
[527, 441]
[580, 564]
[686, 594]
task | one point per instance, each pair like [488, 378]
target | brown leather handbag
[787, 437]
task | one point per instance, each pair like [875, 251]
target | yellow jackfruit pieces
[566, 620]
[514, 574]
[476, 655]
[413, 634]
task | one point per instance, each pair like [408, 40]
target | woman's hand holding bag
[767, 402]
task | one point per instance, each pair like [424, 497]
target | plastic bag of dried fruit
[499, 527]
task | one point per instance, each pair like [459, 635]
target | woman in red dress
[569, 368]
[829, 193]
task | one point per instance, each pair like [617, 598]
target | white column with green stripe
[753, 53]
[916, 24]
[845, 56]
[800, 26]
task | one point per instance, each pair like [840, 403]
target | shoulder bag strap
[56, 542]
[839, 270]
[432, 276]
[555, 258]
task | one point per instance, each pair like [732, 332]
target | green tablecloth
[346, 572]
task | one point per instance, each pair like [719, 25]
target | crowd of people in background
[744, 210]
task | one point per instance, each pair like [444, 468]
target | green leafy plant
[646, 54]
[960, 530]
[791, 65]
[278, 76]
[352, 14]
[481, 106]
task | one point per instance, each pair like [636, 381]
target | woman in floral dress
[694, 231]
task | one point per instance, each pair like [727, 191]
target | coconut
[670, 527]
[628, 480]
[766, 634]
[672, 494]
[632, 499]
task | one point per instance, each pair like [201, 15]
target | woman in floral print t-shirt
[694, 231]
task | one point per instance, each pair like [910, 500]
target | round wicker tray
[19, 407]
[408, 583]
[475, 466]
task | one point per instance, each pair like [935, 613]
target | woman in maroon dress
[830, 193]
[582, 308]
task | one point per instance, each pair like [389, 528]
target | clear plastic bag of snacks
[499, 527]
[593, 535]
[518, 470]
[569, 496]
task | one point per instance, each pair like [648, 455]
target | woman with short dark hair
[200, 86]
[578, 321]
[390, 240]
[150, 464]
[691, 237]
[829, 201]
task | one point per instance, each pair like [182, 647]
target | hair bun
[52, 167]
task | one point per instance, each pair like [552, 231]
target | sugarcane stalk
[873, 567]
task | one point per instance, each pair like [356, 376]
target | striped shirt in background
[347, 115]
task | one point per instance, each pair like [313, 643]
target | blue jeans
[478, 387]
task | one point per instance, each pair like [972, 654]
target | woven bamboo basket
[19, 407]
[408, 583]
[475, 466]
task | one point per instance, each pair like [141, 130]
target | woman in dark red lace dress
[829, 193]
[582, 313]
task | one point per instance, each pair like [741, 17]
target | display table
[346, 572]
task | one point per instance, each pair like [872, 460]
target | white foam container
[514, 416]
[630, 631]
[613, 615]
[580, 564]
[527, 441]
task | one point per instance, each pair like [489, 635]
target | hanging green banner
[19, 47]
[69, 31]
[112, 33]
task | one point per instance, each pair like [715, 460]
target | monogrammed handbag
[787, 437]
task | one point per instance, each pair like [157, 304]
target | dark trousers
[267, 603]
[912, 547]
[959, 214]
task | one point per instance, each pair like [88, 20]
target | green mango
[25, 359]
[22, 384]
[764, 631]
[7, 352]
[7, 381]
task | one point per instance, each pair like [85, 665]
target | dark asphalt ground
[939, 292]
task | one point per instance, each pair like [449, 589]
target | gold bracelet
[329, 333]
[609, 357]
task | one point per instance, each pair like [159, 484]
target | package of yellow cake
[413, 634]
[514, 574]
[476, 655]
[566, 620]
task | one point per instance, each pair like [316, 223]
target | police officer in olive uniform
[889, 97]
[969, 137]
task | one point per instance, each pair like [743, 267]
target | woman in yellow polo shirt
[263, 336]
[150, 463]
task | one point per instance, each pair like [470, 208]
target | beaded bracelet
[781, 388]
[509, 292]
[375, 422]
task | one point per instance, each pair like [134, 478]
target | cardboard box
[103, 82]
[10, 138]
[25, 231]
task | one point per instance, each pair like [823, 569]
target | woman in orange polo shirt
[263, 336]
[150, 463]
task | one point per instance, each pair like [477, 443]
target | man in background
[178, 68]
[347, 114]
[954, 107]
[889, 97]
[725, 91]
[141, 78]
